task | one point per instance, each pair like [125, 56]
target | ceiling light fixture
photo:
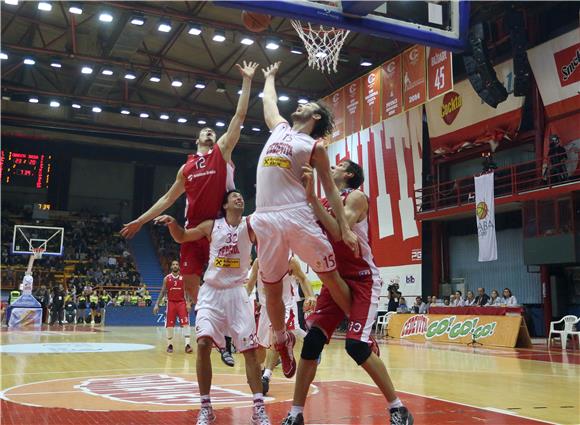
[219, 36]
[55, 64]
[164, 26]
[365, 61]
[44, 6]
[29, 61]
[200, 84]
[130, 75]
[220, 87]
[137, 19]
[194, 29]
[3, 56]
[96, 109]
[201, 122]
[86, 70]
[33, 99]
[302, 101]
[105, 17]
[297, 49]
[181, 120]
[247, 41]
[76, 106]
[283, 98]
[107, 71]
[220, 124]
[177, 83]
[143, 115]
[75, 9]
[272, 43]
[54, 103]
[164, 117]
[125, 111]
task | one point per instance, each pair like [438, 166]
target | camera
[393, 287]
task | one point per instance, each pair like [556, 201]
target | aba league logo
[481, 210]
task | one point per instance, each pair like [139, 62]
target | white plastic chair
[383, 321]
[569, 322]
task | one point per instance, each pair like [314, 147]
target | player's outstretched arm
[253, 277]
[230, 139]
[322, 166]
[181, 235]
[161, 295]
[130, 229]
[271, 114]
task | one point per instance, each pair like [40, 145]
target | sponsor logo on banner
[371, 107]
[447, 326]
[416, 255]
[450, 108]
[568, 65]
[481, 210]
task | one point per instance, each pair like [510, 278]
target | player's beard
[300, 116]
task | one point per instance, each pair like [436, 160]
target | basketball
[255, 22]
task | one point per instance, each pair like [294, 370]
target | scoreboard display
[26, 169]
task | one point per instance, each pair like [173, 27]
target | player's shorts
[193, 257]
[365, 302]
[265, 335]
[296, 230]
[176, 309]
[227, 311]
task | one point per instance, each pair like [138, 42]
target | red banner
[439, 72]
[392, 87]
[568, 65]
[371, 98]
[336, 102]
[353, 107]
[414, 78]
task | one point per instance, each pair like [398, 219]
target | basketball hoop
[37, 252]
[322, 45]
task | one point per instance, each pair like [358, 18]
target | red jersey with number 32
[207, 178]
[175, 287]
[347, 264]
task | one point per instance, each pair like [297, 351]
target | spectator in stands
[142, 290]
[495, 299]
[420, 307]
[147, 298]
[508, 299]
[81, 307]
[470, 300]
[57, 305]
[482, 298]
[457, 299]
[434, 300]
[134, 299]
[402, 308]
[446, 301]
[558, 158]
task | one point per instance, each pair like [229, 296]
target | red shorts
[176, 309]
[365, 302]
[193, 257]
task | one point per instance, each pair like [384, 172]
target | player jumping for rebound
[205, 178]
[362, 277]
[177, 306]
[283, 221]
[223, 307]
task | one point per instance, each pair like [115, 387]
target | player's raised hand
[247, 69]
[164, 220]
[308, 181]
[351, 240]
[271, 70]
[309, 304]
[130, 229]
[155, 309]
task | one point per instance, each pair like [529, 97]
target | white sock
[170, 332]
[258, 399]
[187, 334]
[395, 403]
[295, 410]
[267, 373]
[205, 400]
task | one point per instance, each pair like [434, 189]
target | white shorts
[296, 230]
[265, 336]
[222, 312]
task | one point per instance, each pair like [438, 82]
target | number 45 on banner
[439, 72]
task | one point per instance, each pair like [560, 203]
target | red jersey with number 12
[175, 288]
[207, 178]
[347, 264]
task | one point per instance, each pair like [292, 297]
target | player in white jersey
[283, 221]
[290, 296]
[362, 276]
[223, 307]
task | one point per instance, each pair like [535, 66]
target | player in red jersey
[177, 306]
[205, 178]
[362, 277]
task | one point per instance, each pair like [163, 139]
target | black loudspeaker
[515, 25]
[479, 70]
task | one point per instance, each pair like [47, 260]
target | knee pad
[313, 344]
[358, 350]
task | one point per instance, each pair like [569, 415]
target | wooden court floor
[122, 375]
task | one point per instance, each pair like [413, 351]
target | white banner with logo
[485, 215]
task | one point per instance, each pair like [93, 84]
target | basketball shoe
[188, 349]
[170, 348]
[286, 351]
[296, 420]
[401, 416]
[206, 415]
[260, 417]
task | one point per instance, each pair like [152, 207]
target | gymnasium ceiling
[76, 41]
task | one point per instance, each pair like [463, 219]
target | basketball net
[37, 252]
[322, 45]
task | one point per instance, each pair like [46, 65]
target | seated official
[470, 299]
[495, 300]
[420, 307]
[508, 299]
[482, 298]
[457, 299]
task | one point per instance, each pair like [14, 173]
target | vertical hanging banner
[485, 216]
[414, 77]
[392, 87]
[336, 103]
[352, 119]
[439, 72]
[371, 98]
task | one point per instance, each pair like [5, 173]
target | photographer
[394, 296]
